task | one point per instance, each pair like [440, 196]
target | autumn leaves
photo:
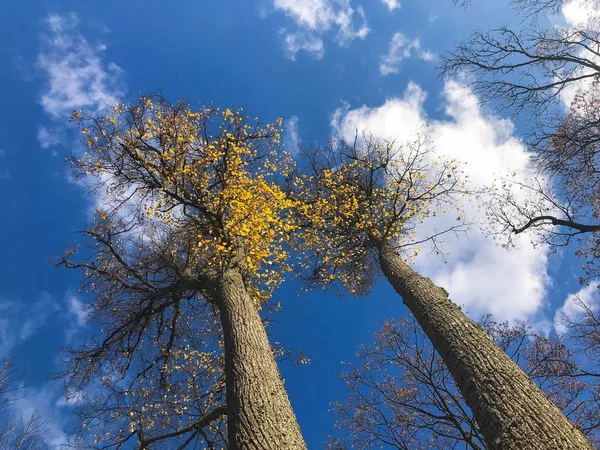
[210, 172]
[224, 179]
[357, 196]
[201, 214]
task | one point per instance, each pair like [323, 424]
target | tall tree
[358, 205]
[401, 395]
[189, 214]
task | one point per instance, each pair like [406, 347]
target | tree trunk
[259, 413]
[511, 410]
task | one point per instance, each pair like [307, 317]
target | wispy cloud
[77, 309]
[315, 18]
[38, 315]
[291, 135]
[23, 69]
[20, 321]
[50, 137]
[302, 40]
[9, 307]
[4, 173]
[76, 316]
[401, 48]
[45, 402]
[77, 75]
[580, 15]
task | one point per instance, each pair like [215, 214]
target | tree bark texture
[259, 413]
[511, 410]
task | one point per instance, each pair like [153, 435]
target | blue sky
[327, 67]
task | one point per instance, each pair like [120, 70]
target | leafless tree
[401, 395]
[526, 70]
[25, 433]
[532, 9]
[538, 71]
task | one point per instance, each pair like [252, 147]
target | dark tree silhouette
[23, 434]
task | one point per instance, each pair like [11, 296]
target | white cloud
[8, 309]
[572, 307]
[391, 4]
[579, 13]
[77, 76]
[302, 40]
[76, 316]
[20, 321]
[50, 137]
[57, 23]
[38, 315]
[311, 14]
[478, 274]
[291, 136]
[314, 18]
[77, 309]
[401, 48]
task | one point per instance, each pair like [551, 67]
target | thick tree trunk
[512, 412]
[259, 413]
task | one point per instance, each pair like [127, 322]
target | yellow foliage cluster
[214, 179]
[361, 197]
[211, 172]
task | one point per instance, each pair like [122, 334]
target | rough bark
[259, 413]
[512, 412]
